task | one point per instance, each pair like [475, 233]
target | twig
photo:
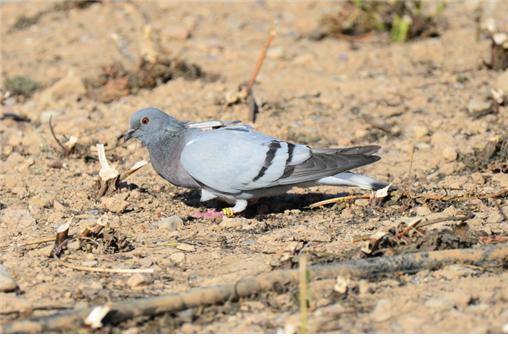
[410, 171]
[64, 149]
[419, 224]
[261, 59]
[107, 270]
[304, 292]
[339, 199]
[124, 310]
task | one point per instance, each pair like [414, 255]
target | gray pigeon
[235, 163]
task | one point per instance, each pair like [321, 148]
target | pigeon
[237, 164]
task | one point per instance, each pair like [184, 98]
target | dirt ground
[421, 95]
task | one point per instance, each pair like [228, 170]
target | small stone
[137, 280]
[341, 285]
[115, 204]
[423, 211]
[362, 202]
[382, 311]
[276, 53]
[91, 263]
[58, 206]
[478, 178]
[438, 303]
[479, 107]
[449, 153]
[177, 258]
[501, 179]
[171, 223]
[11, 302]
[502, 82]
[18, 217]
[420, 131]
[73, 245]
[233, 223]
[6, 282]
[67, 87]
[495, 217]
[185, 247]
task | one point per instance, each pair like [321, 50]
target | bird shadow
[264, 206]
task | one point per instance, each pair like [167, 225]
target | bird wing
[233, 159]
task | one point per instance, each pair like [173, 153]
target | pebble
[6, 281]
[137, 280]
[115, 204]
[382, 311]
[449, 153]
[500, 179]
[19, 217]
[420, 131]
[74, 245]
[91, 263]
[171, 223]
[10, 303]
[479, 107]
[177, 258]
[185, 247]
[502, 82]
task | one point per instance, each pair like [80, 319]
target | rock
[479, 107]
[11, 302]
[362, 202]
[449, 153]
[73, 245]
[171, 223]
[382, 311]
[69, 86]
[137, 280]
[6, 281]
[422, 211]
[90, 263]
[500, 179]
[276, 53]
[233, 223]
[115, 204]
[420, 131]
[495, 217]
[177, 258]
[438, 303]
[19, 217]
[341, 285]
[502, 82]
[185, 247]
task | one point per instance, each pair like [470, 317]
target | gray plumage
[234, 162]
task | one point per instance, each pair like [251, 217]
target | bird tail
[354, 180]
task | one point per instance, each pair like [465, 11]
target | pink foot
[208, 214]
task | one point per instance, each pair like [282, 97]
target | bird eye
[145, 120]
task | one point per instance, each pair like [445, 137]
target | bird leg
[239, 207]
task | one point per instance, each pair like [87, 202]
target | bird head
[149, 124]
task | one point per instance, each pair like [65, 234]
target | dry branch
[121, 311]
[107, 270]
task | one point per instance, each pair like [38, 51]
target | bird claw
[208, 214]
[228, 212]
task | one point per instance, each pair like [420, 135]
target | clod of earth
[115, 81]
[493, 157]
[404, 20]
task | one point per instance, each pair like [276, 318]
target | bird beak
[129, 134]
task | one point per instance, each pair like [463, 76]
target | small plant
[21, 85]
